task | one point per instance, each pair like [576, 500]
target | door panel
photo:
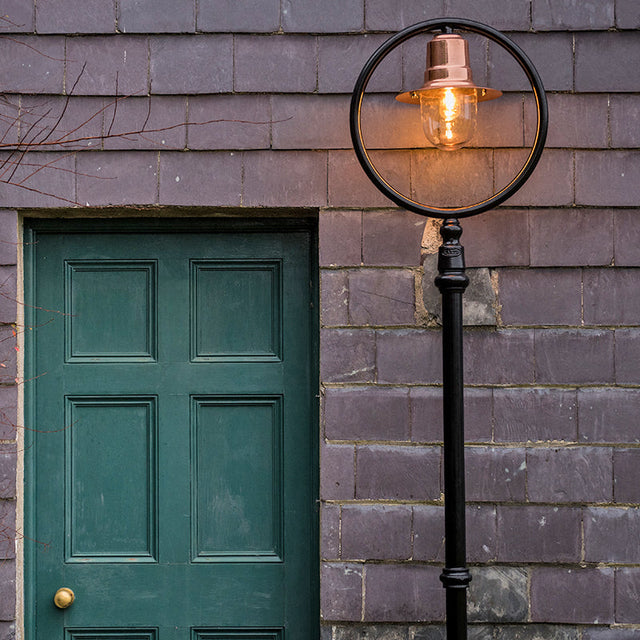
[171, 472]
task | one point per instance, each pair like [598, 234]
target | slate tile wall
[245, 105]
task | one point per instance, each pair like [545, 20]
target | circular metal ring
[442, 24]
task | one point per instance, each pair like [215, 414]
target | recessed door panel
[237, 478]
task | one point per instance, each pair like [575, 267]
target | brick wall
[553, 336]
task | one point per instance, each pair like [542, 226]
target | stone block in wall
[627, 595]
[535, 534]
[575, 120]
[574, 356]
[341, 591]
[249, 16]
[573, 474]
[540, 296]
[347, 355]
[206, 178]
[20, 16]
[8, 412]
[624, 109]
[366, 413]
[606, 61]
[117, 178]
[536, 632]
[608, 178]
[106, 65]
[478, 302]
[535, 415]
[334, 298]
[32, 64]
[176, 64]
[495, 474]
[610, 633]
[572, 15]
[340, 238]
[153, 16]
[8, 355]
[611, 535]
[498, 594]
[383, 16]
[392, 238]
[349, 185]
[278, 64]
[8, 294]
[627, 14]
[341, 58]
[329, 531]
[309, 16]
[7, 530]
[499, 357]
[74, 122]
[513, 16]
[381, 297]
[7, 590]
[401, 592]
[574, 596]
[161, 121]
[498, 238]
[372, 632]
[627, 355]
[610, 296]
[8, 465]
[409, 356]
[566, 238]
[550, 185]
[376, 532]
[284, 179]
[626, 229]
[626, 475]
[75, 16]
[397, 472]
[608, 415]
[551, 53]
[41, 179]
[310, 122]
[337, 472]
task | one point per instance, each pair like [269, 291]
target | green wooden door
[170, 479]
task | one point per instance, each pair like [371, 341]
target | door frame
[30, 226]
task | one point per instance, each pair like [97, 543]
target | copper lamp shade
[448, 67]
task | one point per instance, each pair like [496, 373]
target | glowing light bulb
[449, 116]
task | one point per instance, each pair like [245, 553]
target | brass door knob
[64, 598]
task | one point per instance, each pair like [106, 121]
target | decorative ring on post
[444, 25]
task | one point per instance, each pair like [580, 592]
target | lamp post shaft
[452, 282]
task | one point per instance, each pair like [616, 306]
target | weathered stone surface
[337, 469]
[495, 475]
[479, 300]
[627, 595]
[347, 355]
[575, 474]
[383, 297]
[608, 415]
[371, 632]
[498, 594]
[536, 632]
[341, 591]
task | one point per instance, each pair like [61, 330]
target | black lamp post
[448, 101]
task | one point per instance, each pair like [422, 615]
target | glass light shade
[449, 116]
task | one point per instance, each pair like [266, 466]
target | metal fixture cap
[448, 67]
